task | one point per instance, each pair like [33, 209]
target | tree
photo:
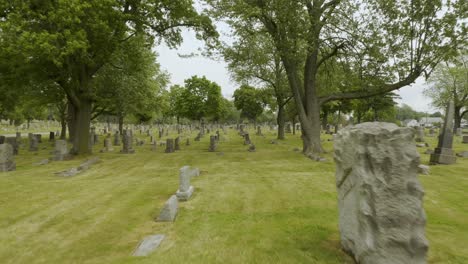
[200, 99]
[450, 82]
[70, 41]
[384, 45]
[249, 101]
[252, 58]
[405, 112]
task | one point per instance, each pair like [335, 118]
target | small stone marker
[61, 150]
[185, 189]
[169, 211]
[381, 215]
[148, 245]
[424, 169]
[51, 136]
[2, 139]
[247, 139]
[463, 154]
[7, 160]
[252, 148]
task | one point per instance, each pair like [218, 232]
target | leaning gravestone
[381, 215]
[148, 245]
[185, 189]
[61, 150]
[169, 145]
[169, 211]
[7, 160]
[444, 154]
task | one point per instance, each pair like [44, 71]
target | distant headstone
[161, 131]
[381, 215]
[7, 160]
[288, 128]
[212, 144]
[459, 132]
[39, 138]
[444, 154]
[465, 140]
[463, 154]
[51, 136]
[420, 134]
[148, 245]
[14, 143]
[127, 142]
[169, 211]
[108, 145]
[247, 139]
[2, 139]
[18, 137]
[187, 143]
[424, 169]
[61, 150]
[169, 145]
[252, 148]
[177, 143]
[197, 138]
[117, 139]
[33, 143]
[185, 189]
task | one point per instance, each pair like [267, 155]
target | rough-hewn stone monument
[444, 154]
[381, 215]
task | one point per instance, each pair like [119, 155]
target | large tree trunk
[324, 119]
[71, 121]
[458, 118]
[294, 125]
[311, 132]
[281, 121]
[83, 124]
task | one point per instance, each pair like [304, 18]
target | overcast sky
[183, 68]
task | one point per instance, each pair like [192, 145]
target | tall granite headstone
[61, 150]
[444, 154]
[127, 142]
[7, 160]
[169, 145]
[380, 200]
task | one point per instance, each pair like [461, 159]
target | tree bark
[83, 124]
[280, 119]
[458, 118]
[71, 121]
[121, 121]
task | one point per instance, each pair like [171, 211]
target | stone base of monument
[185, 196]
[443, 156]
[8, 166]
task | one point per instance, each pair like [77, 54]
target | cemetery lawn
[271, 206]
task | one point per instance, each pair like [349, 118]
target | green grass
[271, 206]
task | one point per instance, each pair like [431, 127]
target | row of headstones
[170, 210]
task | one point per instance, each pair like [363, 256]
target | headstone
[61, 150]
[51, 136]
[177, 143]
[18, 137]
[197, 138]
[96, 139]
[2, 139]
[424, 169]
[444, 154]
[108, 145]
[212, 144]
[169, 145]
[247, 139]
[187, 143]
[7, 160]
[252, 148]
[127, 142]
[465, 140]
[259, 131]
[33, 143]
[420, 134]
[148, 245]
[288, 128]
[154, 146]
[459, 132]
[169, 211]
[14, 143]
[185, 189]
[381, 215]
[117, 139]
[39, 138]
[161, 131]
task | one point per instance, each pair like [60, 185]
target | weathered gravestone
[51, 136]
[185, 189]
[14, 143]
[7, 160]
[148, 245]
[212, 147]
[420, 134]
[169, 211]
[127, 142]
[187, 143]
[38, 137]
[107, 145]
[169, 145]
[2, 139]
[381, 215]
[33, 143]
[444, 154]
[18, 138]
[459, 132]
[61, 150]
